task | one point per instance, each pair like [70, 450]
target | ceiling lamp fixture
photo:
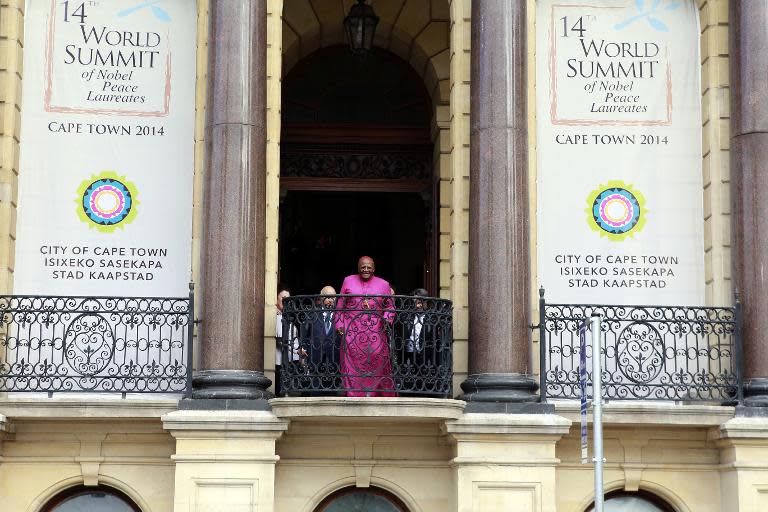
[360, 26]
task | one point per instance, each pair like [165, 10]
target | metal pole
[597, 411]
[542, 347]
[190, 339]
[739, 366]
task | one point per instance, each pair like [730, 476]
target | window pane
[94, 501]
[628, 504]
[361, 502]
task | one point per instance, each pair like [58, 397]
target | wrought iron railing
[649, 352]
[371, 345]
[98, 344]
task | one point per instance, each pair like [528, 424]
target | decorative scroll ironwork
[367, 345]
[359, 162]
[648, 353]
[102, 344]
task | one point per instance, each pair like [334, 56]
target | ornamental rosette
[107, 201]
[616, 210]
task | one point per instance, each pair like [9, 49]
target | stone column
[749, 178]
[234, 230]
[499, 273]
[506, 459]
[224, 460]
[743, 444]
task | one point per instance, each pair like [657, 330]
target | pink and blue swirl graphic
[107, 201]
[616, 210]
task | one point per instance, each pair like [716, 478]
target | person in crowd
[420, 340]
[284, 341]
[363, 322]
[321, 340]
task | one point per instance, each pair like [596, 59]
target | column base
[503, 393]
[231, 385]
[223, 404]
[756, 394]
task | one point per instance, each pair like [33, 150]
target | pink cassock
[365, 364]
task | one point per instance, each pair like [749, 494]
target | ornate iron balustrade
[370, 345]
[648, 353]
[97, 344]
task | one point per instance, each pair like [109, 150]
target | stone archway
[433, 37]
[356, 172]
[416, 31]
[356, 498]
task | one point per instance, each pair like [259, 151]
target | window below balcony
[91, 499]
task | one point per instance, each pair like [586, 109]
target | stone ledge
[494, 424]
[85, 408]
[651, 413]
[212, 423]
[411, 409]
[745, 428]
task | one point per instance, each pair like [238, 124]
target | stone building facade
[492, 447]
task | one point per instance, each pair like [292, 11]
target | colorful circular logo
[616, 210]
[107, 200]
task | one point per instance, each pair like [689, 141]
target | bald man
[321, 341]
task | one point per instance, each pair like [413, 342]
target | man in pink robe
[366, 368]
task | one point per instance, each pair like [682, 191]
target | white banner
[107, 134]
[619, 157]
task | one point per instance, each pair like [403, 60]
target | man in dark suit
[321, 341]
[421, 340]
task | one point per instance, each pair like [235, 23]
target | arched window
[353, 499]
[91, 499]
[640, 501]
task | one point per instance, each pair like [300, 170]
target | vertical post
[738, 352]
[190, 338]
[542, 347]
[597, 410]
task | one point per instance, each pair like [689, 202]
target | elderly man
[321, 340]
[363, 321]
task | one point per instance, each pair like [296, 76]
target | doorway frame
[330, 136]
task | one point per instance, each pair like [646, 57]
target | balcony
[355, 345]
[686, 354]
[376, 346]
[95, 344]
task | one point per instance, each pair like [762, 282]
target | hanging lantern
[360, 26]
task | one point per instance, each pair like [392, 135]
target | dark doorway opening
[356, 172]
[324, 233]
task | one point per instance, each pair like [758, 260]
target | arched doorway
[356, 172]
[354, 499]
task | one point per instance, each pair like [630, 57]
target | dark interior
[323, 234]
